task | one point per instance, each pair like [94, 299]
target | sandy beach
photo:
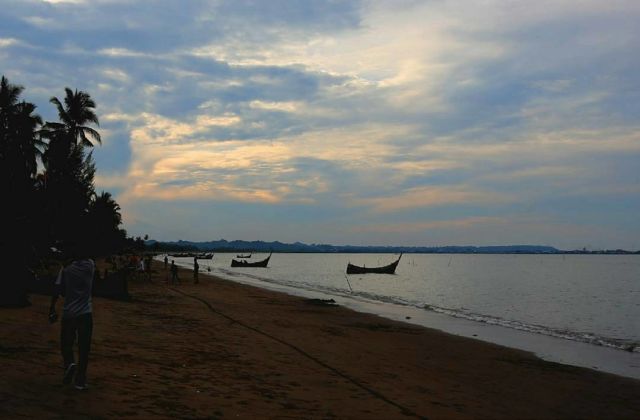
[219, 349]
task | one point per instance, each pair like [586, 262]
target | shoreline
[222, 349]
[546, 347]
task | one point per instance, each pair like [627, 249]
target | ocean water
[593, 299]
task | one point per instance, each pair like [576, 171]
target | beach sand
[219, 349]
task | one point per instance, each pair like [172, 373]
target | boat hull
[263, 263]
[207, 256]
[387, 269]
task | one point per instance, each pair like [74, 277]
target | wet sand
[219, 349]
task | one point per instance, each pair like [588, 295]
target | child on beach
[74, 282]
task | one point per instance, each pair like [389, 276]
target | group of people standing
[174, 270]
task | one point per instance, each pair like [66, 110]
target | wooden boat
[244, 263]
[387, 269]
[180, 255]
[202, 256]
[243, 256]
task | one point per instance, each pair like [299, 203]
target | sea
[582, 310]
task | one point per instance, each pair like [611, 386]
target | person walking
[196, 268]
[148, 261]
[174, 273]
[75, 282]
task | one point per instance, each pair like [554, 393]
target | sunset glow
[360, 122]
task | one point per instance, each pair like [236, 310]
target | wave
[584, 337]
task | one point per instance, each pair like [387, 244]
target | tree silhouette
[105, 209]
[78, 110]
[20, 147]
[69, 169]
[105, 220]
[9, 94]
[55, 207]
[30, 147]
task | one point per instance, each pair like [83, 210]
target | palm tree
[104, 219]
[9, 95]
[106, 210]
[78, 110]
[71, 135]
[31, 145]
[69, 169]
[19, 150]
[19, 144]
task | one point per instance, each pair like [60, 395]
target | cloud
[64, 1]
[429, 197]
[120, 52]
[410, 110]
[275, 106]
[6, 42]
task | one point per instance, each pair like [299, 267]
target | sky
[372, 122]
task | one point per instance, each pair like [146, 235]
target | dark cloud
[158, 27]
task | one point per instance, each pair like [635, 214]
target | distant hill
[261, 246]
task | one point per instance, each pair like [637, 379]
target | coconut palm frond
[92, 133]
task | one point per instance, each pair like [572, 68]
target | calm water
[587, 298]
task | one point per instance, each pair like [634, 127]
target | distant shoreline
[231, 251]
[301, 248]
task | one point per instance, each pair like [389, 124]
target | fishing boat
[243, 256]
[201, 256]
[387, 269]
[183, 255]
[244, 263]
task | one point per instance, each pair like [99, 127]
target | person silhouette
[196, 268]
[174, 273]
[75, 282]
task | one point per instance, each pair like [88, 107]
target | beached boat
[244, 263]
[387, 269]
[201, 256]
[182, 255]
[243, 256]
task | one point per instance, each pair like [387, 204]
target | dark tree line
[49, 201]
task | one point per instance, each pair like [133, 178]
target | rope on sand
[405, 410]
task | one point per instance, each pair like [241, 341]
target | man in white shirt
[75, 282]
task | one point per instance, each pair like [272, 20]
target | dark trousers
[82, 328]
